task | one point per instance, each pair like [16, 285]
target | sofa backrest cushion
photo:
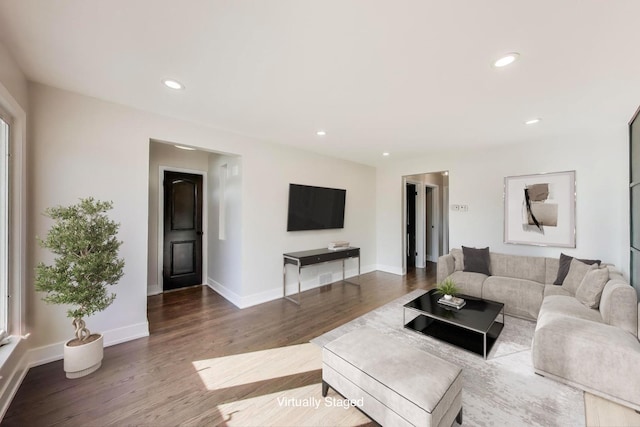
[619, 303]
[519, 267]
[552, 265]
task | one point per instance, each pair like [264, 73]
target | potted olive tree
[85, 243]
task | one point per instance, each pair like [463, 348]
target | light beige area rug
[500, 391]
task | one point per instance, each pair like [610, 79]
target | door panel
[182, 265]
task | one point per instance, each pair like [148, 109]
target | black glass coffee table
[473, 327]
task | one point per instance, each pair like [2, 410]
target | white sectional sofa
[594, 349]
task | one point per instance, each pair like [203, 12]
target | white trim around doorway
[435, 210]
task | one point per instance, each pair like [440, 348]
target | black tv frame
[335, 220]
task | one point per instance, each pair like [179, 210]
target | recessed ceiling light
[507, 59]
[321, 133]
[173, 84]
[385, 154]
[182, 147]
[532, 121]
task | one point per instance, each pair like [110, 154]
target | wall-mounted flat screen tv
[315, 208]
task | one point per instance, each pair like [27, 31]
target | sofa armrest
[446, 267]
[619, 305]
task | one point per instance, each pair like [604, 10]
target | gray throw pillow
[577, 271]
[591, 287]
[565, 262]
[477, 260]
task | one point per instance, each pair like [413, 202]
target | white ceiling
[399, 76]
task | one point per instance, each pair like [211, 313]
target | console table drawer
[331, 256]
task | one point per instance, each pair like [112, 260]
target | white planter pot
[83, 359]
[448, 297]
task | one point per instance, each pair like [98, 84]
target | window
[4, 223]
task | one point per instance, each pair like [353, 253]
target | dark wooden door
[411, 226]
[182, 265]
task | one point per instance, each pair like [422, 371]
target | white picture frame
[544, 214]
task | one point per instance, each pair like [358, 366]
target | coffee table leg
[484, 346]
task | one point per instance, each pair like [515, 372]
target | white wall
[225, 251]
[165, 155]
[83, 146]
[267, 172]
[476, 178]
[12, 78]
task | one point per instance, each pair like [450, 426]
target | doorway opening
[195, 220]
[425, 219]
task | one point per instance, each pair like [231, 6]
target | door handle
[199, 233]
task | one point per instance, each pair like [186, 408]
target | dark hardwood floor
[152, 381]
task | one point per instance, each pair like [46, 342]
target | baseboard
[390, 269]
[154, 290]
[225, 292]
[14, 370]
[276, 293]
[52, 352]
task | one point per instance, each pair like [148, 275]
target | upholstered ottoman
[393, 383]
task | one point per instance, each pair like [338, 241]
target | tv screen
[315, 208]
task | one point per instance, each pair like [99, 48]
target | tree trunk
[82, 333]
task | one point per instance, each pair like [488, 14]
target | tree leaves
[85, 242]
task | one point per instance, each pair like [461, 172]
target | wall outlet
[464, 208]
[455, 208]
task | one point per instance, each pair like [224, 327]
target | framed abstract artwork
[540, 209]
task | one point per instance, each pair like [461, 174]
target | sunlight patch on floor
[230, 371]
[302, 406]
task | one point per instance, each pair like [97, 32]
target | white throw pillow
[458, 259]
[577, 271]
[591, 288]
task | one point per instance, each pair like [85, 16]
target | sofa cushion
[565, 263]
[565, 306]
[521, 298]
[469, 283]
[577, 271]
[477, 260]
[519, 267]
[591, 287]
[555, 290]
